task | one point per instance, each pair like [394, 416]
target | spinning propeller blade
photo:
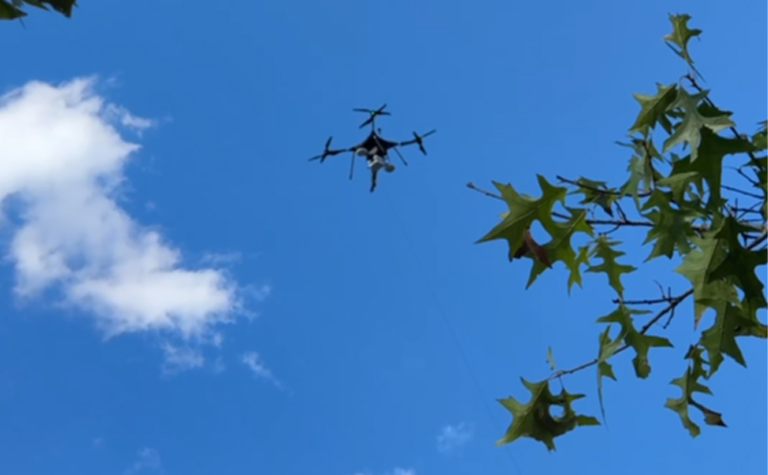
[419, 139]
[326, 152]
[373, 113]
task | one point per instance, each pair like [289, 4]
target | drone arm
[400, 155]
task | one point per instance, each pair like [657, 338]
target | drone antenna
[352, 166]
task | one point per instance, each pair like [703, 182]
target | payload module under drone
[374, 148]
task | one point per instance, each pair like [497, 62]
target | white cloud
[148, 460]
[62, 166]
[254, 362]
[453, 437]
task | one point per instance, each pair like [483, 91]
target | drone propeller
[327, 152]
[373, 113]
[419, 139]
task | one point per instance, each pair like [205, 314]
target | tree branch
[669, 308]
[742, 192]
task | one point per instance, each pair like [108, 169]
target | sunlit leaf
[639, 342]
[608, 348]
[605, 249]
[535, 420]
[690, 129]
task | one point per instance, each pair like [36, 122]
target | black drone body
[374, 148]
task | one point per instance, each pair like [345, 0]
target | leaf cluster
[676, 191]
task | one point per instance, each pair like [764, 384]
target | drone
[374, 148]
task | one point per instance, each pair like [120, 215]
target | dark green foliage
[678, 196]
[15, 9]
[534, 419]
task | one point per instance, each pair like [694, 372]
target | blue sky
[313, 322]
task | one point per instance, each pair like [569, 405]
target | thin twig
[622, 214]
[745, 193]
[739, 170]
[664, 299]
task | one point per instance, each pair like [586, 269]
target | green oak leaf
[698, 265]
[641, 175]
[672, 226]
[593, 194]
[749, 324]
[523, 211]
[9, 11]
[741, 264]
[689, 384]
[680, 36]
[608, 348]
[711, 418]
[534, 419]
[709, 167]
[689, 130]
[678, 183]
[62, 6]
[760, 138]
[720, 338]
[652, 108]
[639, 342]
[604, 249]
[559, 247]
[582, 257]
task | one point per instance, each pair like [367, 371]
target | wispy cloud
[254, 362]
[215, 258]
[395, 471]
[148, 460]
[63, 166]
[453, 437]
[179, 359]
